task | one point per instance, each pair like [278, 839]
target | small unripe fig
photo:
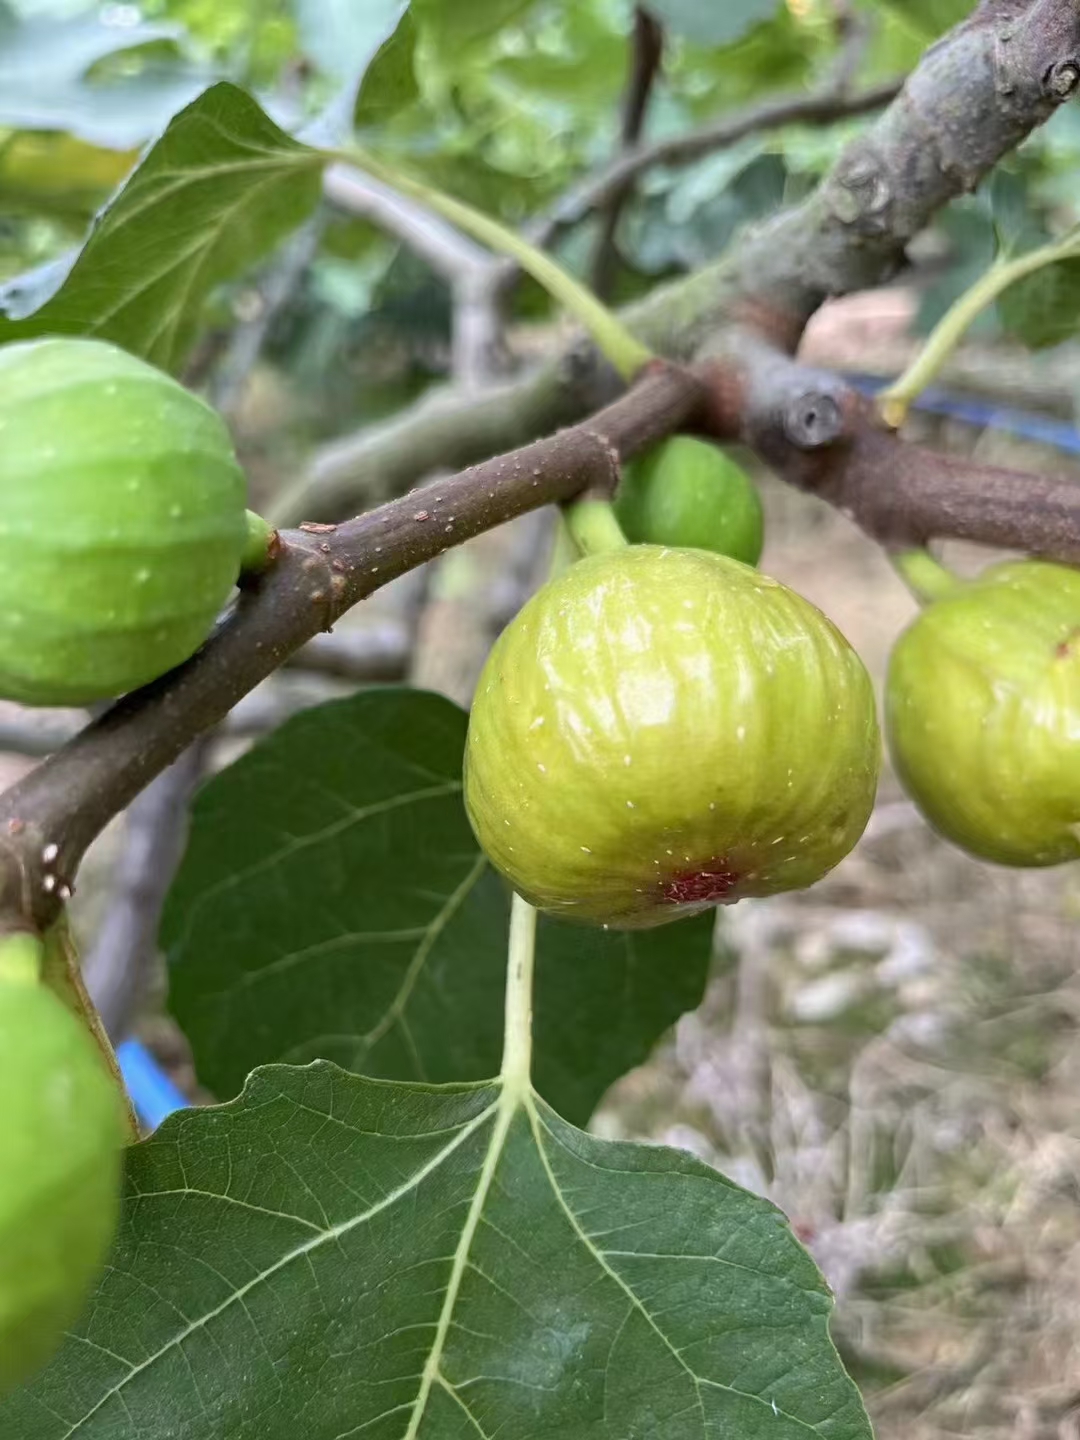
[685, 492]
[122, 521]
[983, 714]
[61, 1141]
[661, 730]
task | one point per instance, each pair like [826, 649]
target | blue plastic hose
[153, 1094]
[985, 414]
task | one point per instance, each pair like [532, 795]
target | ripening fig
[122, 521]
[61, 1141]
[983, 714]
[661, 730]
[685, 492]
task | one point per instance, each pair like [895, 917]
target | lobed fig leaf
[982, 707]
[61, 1140]
[662, 730]
[685, 492]
[122, 521]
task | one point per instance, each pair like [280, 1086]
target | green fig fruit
[61, 1142]
[662, 730]
[685, 492]
[122, 521]
[983, 714]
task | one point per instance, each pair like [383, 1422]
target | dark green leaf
[330, 1256]
[220, 188]
[1044, 308]
[333, 904]
[389, 84]
[708, 23]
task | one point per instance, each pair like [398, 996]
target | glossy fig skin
[685, 492]
[61, 1141]
[122, 521]
[661, 730]
[982, 708]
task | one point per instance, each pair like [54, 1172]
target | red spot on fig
[1069, 645]
[695, 887]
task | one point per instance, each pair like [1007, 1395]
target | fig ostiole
[686, 492]
[662, 730]
[982, 709]
[122, 521]
[62, 1134]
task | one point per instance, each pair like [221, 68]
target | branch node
[1060, 80]
[813, 420]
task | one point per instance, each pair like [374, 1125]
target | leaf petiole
[927, 578]
[895, 402]
[517, 1032]
[624, 351]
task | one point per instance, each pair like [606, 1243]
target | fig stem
[517, 1031]
[258, 547]
[927, 579]
[895, 401]
[594, 526]
[62, 974]
[622, 349]
[21, 959]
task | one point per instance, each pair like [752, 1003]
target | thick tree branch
[814, 430]
[977, 94]
[980, 91]
[599, 189]
[321, 573]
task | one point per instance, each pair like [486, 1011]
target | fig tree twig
[815, 431]
[646, 57]
[62, 805]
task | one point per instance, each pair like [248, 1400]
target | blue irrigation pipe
[1023, 423]
[152, 1092]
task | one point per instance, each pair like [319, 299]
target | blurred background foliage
[505, 103]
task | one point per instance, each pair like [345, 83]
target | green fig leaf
[220, 188]
[334, 904]
[333, 1256]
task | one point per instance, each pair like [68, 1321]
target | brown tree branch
[978, 93]
[815, 431]
[599, 189]
[646, 57]
[321, 573]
